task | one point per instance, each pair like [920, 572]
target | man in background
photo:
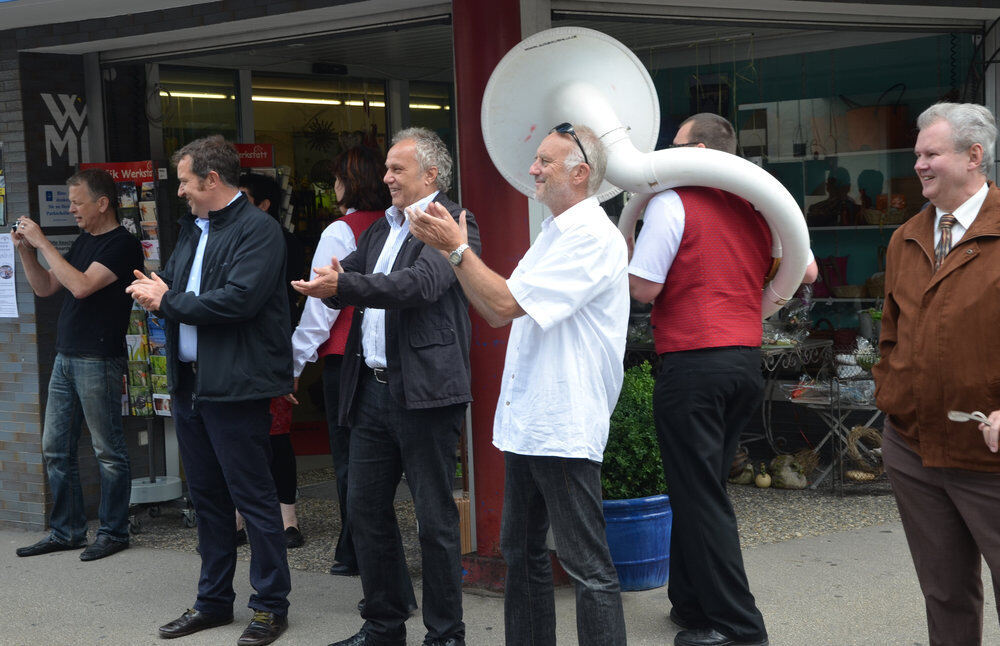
[569, 292]
[228, 353]
[939, 347]
[86, 382]
[405, 387]
[701, 259]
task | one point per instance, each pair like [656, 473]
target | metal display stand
[149, 493]
[786, 357]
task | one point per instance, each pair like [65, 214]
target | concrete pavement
[855, 587]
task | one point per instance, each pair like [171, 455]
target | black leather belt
[380, 375]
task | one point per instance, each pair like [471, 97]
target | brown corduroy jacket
[940, 341]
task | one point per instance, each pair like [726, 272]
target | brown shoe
[264, 628]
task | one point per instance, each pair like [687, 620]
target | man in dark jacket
[405, 385]
[228, 353]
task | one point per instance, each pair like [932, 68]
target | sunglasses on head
[566, 128]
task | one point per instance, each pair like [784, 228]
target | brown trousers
[952, 520]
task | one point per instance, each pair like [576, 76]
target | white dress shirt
[563, 371]
[964, 215]
[373, 322]
[336, 241]
[187, 337]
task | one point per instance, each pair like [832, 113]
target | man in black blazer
[405, 386]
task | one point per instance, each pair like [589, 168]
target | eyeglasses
[566, 128]
[689, 144]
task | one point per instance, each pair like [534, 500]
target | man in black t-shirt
[86, 378]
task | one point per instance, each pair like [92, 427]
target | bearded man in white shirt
[568, 304]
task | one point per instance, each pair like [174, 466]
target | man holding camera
[86, 380]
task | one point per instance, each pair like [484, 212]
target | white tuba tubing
[639, 172]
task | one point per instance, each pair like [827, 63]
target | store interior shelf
[835, 155]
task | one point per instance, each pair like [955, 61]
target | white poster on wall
[53, 206]
[8, 295]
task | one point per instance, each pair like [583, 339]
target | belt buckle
[379, 374]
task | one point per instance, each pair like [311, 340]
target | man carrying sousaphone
[701, 259]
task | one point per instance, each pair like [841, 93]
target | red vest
[712, 294]
[359, 221]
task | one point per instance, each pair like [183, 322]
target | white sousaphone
[587, 78]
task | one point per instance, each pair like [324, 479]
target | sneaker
[294, 537]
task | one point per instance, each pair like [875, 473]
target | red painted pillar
[483, 33]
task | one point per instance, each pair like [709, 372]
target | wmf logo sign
[67, 136]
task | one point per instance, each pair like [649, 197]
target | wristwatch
[455, 257]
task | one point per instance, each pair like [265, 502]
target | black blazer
[427, 328]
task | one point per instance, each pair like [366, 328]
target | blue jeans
[86, 388]
[565, 492]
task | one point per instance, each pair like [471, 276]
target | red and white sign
[256, 155]
[140, 171]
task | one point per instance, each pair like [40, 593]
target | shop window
[837, 128]
[196, 103]
[432, 107]
[310, 121]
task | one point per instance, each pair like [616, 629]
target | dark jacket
[939, 338]
[244, 334]
[427, 326]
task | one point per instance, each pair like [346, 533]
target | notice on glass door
[8, 295]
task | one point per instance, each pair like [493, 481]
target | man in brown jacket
[939, 346]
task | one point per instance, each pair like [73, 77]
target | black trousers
[226, 451]
[388, 440]
[702, 401]
[340, 451]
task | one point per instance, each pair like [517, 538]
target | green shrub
[632, 467]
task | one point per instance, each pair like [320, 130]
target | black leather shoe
[339, 569]
[364, 639]
[451, 641]
[191, 622]
[46, 546]
[102, 546]
[294, 538]
[241, 537]
[711, 637]
[264, 628]
[684, 623]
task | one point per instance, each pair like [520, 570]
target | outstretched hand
[147, 291]
[324, 284]
[437, 228]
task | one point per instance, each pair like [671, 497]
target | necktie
[944, 244]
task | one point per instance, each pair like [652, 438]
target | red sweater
[712, 294]
[359, 221]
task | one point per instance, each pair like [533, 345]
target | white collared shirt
[563, 371]
[373, 321]
[964, 215]
[187, 337]
[336, 241]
